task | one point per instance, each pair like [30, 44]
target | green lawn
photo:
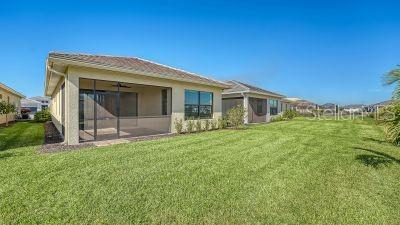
[293, 172]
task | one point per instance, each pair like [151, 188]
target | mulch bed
[51, 134]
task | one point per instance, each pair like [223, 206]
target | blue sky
[324, 51]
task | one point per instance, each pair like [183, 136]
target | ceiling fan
[120, 85]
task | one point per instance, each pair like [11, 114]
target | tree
[393, 77]
[5, 109]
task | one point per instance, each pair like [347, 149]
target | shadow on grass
[377, 159]
[375, 140]
[6, 155]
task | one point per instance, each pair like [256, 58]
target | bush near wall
[389, 117]
[42, 116]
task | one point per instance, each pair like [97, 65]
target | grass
[301, 171]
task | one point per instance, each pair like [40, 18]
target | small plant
[222, 122]
[198, 125]
[213, 125]
[190, 125]
[277, 119]
[289, 114]
[6, 108]
[207, 125]
[42, 116]
[236, 117]
[178, 126]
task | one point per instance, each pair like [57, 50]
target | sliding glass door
[106, 110]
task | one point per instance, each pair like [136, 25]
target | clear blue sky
[324, 51]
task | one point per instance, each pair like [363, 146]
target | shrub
[198, 125]
[276, 119]
[43, 116]
[389, 116]
[178, 125]
[222, 122]
[190, 125]
[289, 114]
[206, 125]
[213, 125]
[235, 117]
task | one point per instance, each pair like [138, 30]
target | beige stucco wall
[13, 99]
[177, 93]
[55, 106]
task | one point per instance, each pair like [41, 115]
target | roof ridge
[145, 60]
[241, 84]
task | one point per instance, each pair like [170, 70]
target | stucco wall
[13, 99]
[55, 106]
[177, 94]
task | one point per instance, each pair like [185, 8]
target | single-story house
[259, 104]
[375, 107]
[304, 107]
[44, 101]
[32, 105]
[12, 96]
[35, 104]
[97, 97]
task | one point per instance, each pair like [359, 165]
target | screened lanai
[110, 110]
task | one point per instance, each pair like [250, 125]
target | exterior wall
[13, 99]
[250, 115]
[177, 95]
[55, 106]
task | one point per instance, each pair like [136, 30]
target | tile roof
[237, 86]
[136, 65]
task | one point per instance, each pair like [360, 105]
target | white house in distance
[35, 104]
[44, 101]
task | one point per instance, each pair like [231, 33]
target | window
[164, 102]
[273, 107]
[259, 106]
[198, 104]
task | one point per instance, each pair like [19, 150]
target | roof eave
[253, 92]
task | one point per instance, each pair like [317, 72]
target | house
[304, 107]
[354, 108]
[44, 101]
[98, 97]
[375, 107]
[258, 103]
[32, 105]
[12, 96]
[35, 104]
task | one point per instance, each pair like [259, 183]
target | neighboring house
[96, 97]
[44, 101]
[304, 107]
[12, 96]
[355, 108]
[33, 106]
[258, 103]
[375, 107]
[328, 106]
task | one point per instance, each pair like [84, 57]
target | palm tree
[393, 77]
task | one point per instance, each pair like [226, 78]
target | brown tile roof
[237, 86]
[137, 65]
